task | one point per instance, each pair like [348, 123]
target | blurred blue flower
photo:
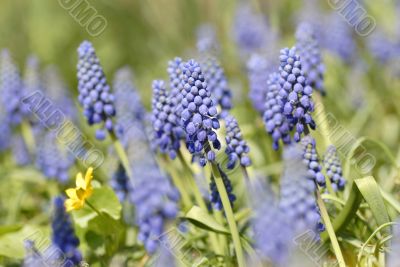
[337, 38]
[273, 243]
[121, 184]
[276, 123]
[236, 147]
[295, 92]
[333, 168]
[94, 92]
[217, 84]
[207, 41]
[311, 159]
[56, 89]
[166, 124]
[199, 114]
[310, 56]
[250, 30]
[155, 200]
[52, 159]
[258, 69]
[128, 103]
[63, 232]
[215, 198]
[381, 47]
[298, 189]
[12, 89]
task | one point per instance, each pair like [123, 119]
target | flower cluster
[381, 47]
[5, 130]
[94, 92]
[63, 233]
[295, 92]
[199, 114]
[333, 168]
[298, 193]
[121, 184]
[215, 197]
[258, 69]
[207, 39]
[11, 88]
[310, 56]
[175, 73]
[128, 103]
[166, 124]
[337, 38]
[57, 91]
[32, 78]
[236, 148]
[52, 160]
[311, 159]
[217, 84]
[276, 123]
[250, 29]
[268, 222]
[155, 200]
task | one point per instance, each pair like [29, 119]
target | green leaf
[5, 229]
[365, 188]
[369, 189]
[205, 221]
[12, 244]
[104, 200]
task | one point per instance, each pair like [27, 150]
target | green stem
[27, 135]
[330, 230]
[121, 154]
[178, 183]
[229, 214]
[199, 200]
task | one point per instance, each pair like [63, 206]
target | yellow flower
[83, 190]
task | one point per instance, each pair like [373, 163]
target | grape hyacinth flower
[258, 69]
[199, 114]
[5, 130]
[175, 73]
[276, 123]
[32, 80]
[127, 100]
[298, 189]
[121, 184]
[207, 41]
[295, 92]
[381, 47]
[94, 92]
[250, 30]
[333, 168]
[311, 160]
[268, 221]
[52, 160]
[236, 147]
[20, 151]
[11, 89]
[57, 91]
[217, 84]
[310, 57]
[155, 200]
[166, 125]
[63, 233]
[337, 38]
[215, 198]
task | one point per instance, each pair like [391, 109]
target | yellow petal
[71, 193]
[88, 176]
[80, 183]
[71, 204]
